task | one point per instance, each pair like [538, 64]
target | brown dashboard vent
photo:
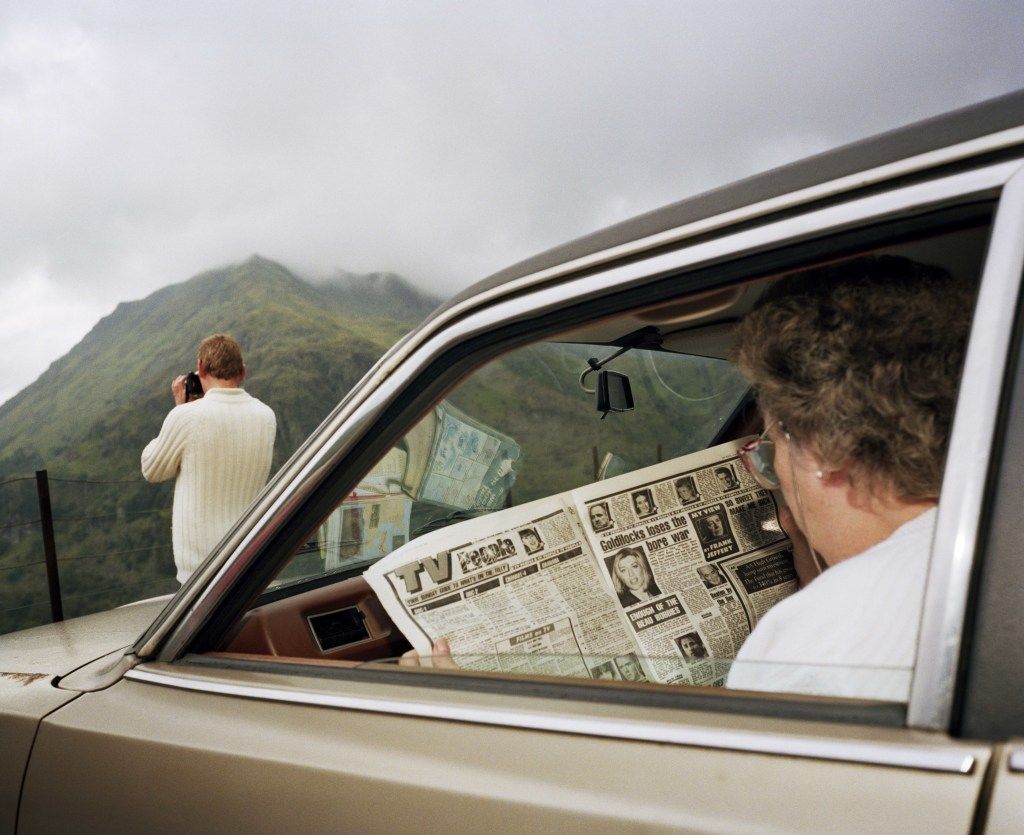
[339, 628]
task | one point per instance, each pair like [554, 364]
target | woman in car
[855, 368]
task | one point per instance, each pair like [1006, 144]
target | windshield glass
[522, 428]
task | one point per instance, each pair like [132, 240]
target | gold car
[265, 696]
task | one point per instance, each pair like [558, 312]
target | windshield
[521, 428]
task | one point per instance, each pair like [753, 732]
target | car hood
[57, 649]
[31, 661]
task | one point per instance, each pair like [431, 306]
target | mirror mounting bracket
[646, 337]
[596, 365]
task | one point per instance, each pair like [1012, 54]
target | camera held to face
[193, 388]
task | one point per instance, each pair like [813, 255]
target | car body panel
[1004, 808]
[24, 699]
[57, 649]
[268, 766]
[992, 668]
[32, 660]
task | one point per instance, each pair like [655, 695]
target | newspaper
[458, 462]
[656, 575]
[449, 459]
[373, 520]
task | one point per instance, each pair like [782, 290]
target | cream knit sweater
[220, 449]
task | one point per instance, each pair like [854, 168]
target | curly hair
[861, 361]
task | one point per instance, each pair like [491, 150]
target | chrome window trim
[967, 466]
[338, 437]
[946, 758]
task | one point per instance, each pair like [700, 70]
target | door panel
[1006, 807]
[143, 756]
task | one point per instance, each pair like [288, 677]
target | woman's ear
[832, 477]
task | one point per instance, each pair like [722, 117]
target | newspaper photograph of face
[600, 517]
[643, 504]
[631, 576]
[691, 646]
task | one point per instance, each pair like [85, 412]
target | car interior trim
[323, 636]
[946, 758]
[967, 467]
[341, 430]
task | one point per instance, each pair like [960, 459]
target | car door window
[524, 428]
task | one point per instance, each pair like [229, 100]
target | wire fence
[17, 479]
[147, 584]
[106, 542]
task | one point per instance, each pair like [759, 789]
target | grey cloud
[141, 143]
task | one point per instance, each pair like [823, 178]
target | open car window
[661, 550]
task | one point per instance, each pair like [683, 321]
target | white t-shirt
[852, 631]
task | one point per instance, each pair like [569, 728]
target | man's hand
[803, 560]
[178, 389]
[440, 657]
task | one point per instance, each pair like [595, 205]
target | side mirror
[613, 393]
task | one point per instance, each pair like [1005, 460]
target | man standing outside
[218, 447]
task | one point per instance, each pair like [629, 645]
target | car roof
[958, 126]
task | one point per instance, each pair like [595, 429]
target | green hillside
[89, 415]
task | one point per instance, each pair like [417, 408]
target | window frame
[482, 334]
[970, 479]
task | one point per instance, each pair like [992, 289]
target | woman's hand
[440, 656]
[803, 558]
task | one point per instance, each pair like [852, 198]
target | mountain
[303, 340]
[88, 416]
[376, 294]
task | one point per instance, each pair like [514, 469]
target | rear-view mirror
[613, 392]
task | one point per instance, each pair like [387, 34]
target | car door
[192, 737]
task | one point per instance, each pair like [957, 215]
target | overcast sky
[144, 142]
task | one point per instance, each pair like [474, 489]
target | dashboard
[342, 621]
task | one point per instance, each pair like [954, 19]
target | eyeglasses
[758, 456]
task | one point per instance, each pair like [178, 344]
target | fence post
[49, 545]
